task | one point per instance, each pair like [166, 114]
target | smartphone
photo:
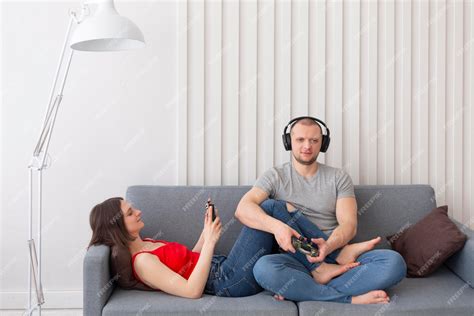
[213, 211]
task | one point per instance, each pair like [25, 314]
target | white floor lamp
[106, 30]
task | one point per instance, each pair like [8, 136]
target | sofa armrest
[462, 262]
[98, 285]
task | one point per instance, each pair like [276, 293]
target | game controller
[210, 204]
[304, 246]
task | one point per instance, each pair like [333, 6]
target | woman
[173, 268]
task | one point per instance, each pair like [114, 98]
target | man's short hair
[306, 122]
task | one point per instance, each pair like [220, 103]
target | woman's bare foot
[351, 252]
[328, 271]
[372, 297]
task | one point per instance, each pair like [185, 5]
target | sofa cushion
[428, 243]
[124, 302]
[442, 293]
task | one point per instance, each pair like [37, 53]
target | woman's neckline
[153, 249]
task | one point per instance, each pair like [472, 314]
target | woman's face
[132, 218]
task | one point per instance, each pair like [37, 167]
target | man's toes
[351, 265]
[278, 297]
[382, 294]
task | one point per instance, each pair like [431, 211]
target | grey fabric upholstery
[462, 262]
[98, 284]
[386, 209]
[125, 302]
[175, 213]
[442, 293]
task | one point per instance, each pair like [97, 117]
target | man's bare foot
[372, 297]
[278, 297]
[351, 252]
[328, 271]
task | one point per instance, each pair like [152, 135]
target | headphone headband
[318, 121]
[287, 137]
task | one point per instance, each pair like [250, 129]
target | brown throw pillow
[428, 243]
[121, 269]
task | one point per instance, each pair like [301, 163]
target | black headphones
[287, 137]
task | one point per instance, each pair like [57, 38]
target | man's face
[306, 143]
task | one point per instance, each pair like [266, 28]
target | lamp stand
[38, 163]
[105, 31]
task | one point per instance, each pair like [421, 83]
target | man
[325, 195]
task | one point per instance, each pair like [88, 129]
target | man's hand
[322, 249]
[283, 234]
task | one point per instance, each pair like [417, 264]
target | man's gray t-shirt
[316, 196]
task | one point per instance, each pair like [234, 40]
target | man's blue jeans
[286, 275]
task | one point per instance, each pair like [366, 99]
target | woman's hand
[212, 229]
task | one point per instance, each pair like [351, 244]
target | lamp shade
[106, 30]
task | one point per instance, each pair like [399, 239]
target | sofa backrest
[385, 210]
[175, 213]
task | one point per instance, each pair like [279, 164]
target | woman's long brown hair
[108, 226]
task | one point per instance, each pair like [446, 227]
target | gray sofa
[175, 213]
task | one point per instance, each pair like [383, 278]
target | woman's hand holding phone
[212, 224]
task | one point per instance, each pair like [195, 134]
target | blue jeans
[284, 274]
[232, 276]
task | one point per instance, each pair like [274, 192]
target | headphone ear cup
[286, 141]
[325, 143]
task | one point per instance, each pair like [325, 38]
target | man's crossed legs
[292, 276]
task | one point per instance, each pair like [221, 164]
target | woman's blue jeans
[232, 276]
[286, 274]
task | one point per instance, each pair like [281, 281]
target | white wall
[206, 102]
[115, 128]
